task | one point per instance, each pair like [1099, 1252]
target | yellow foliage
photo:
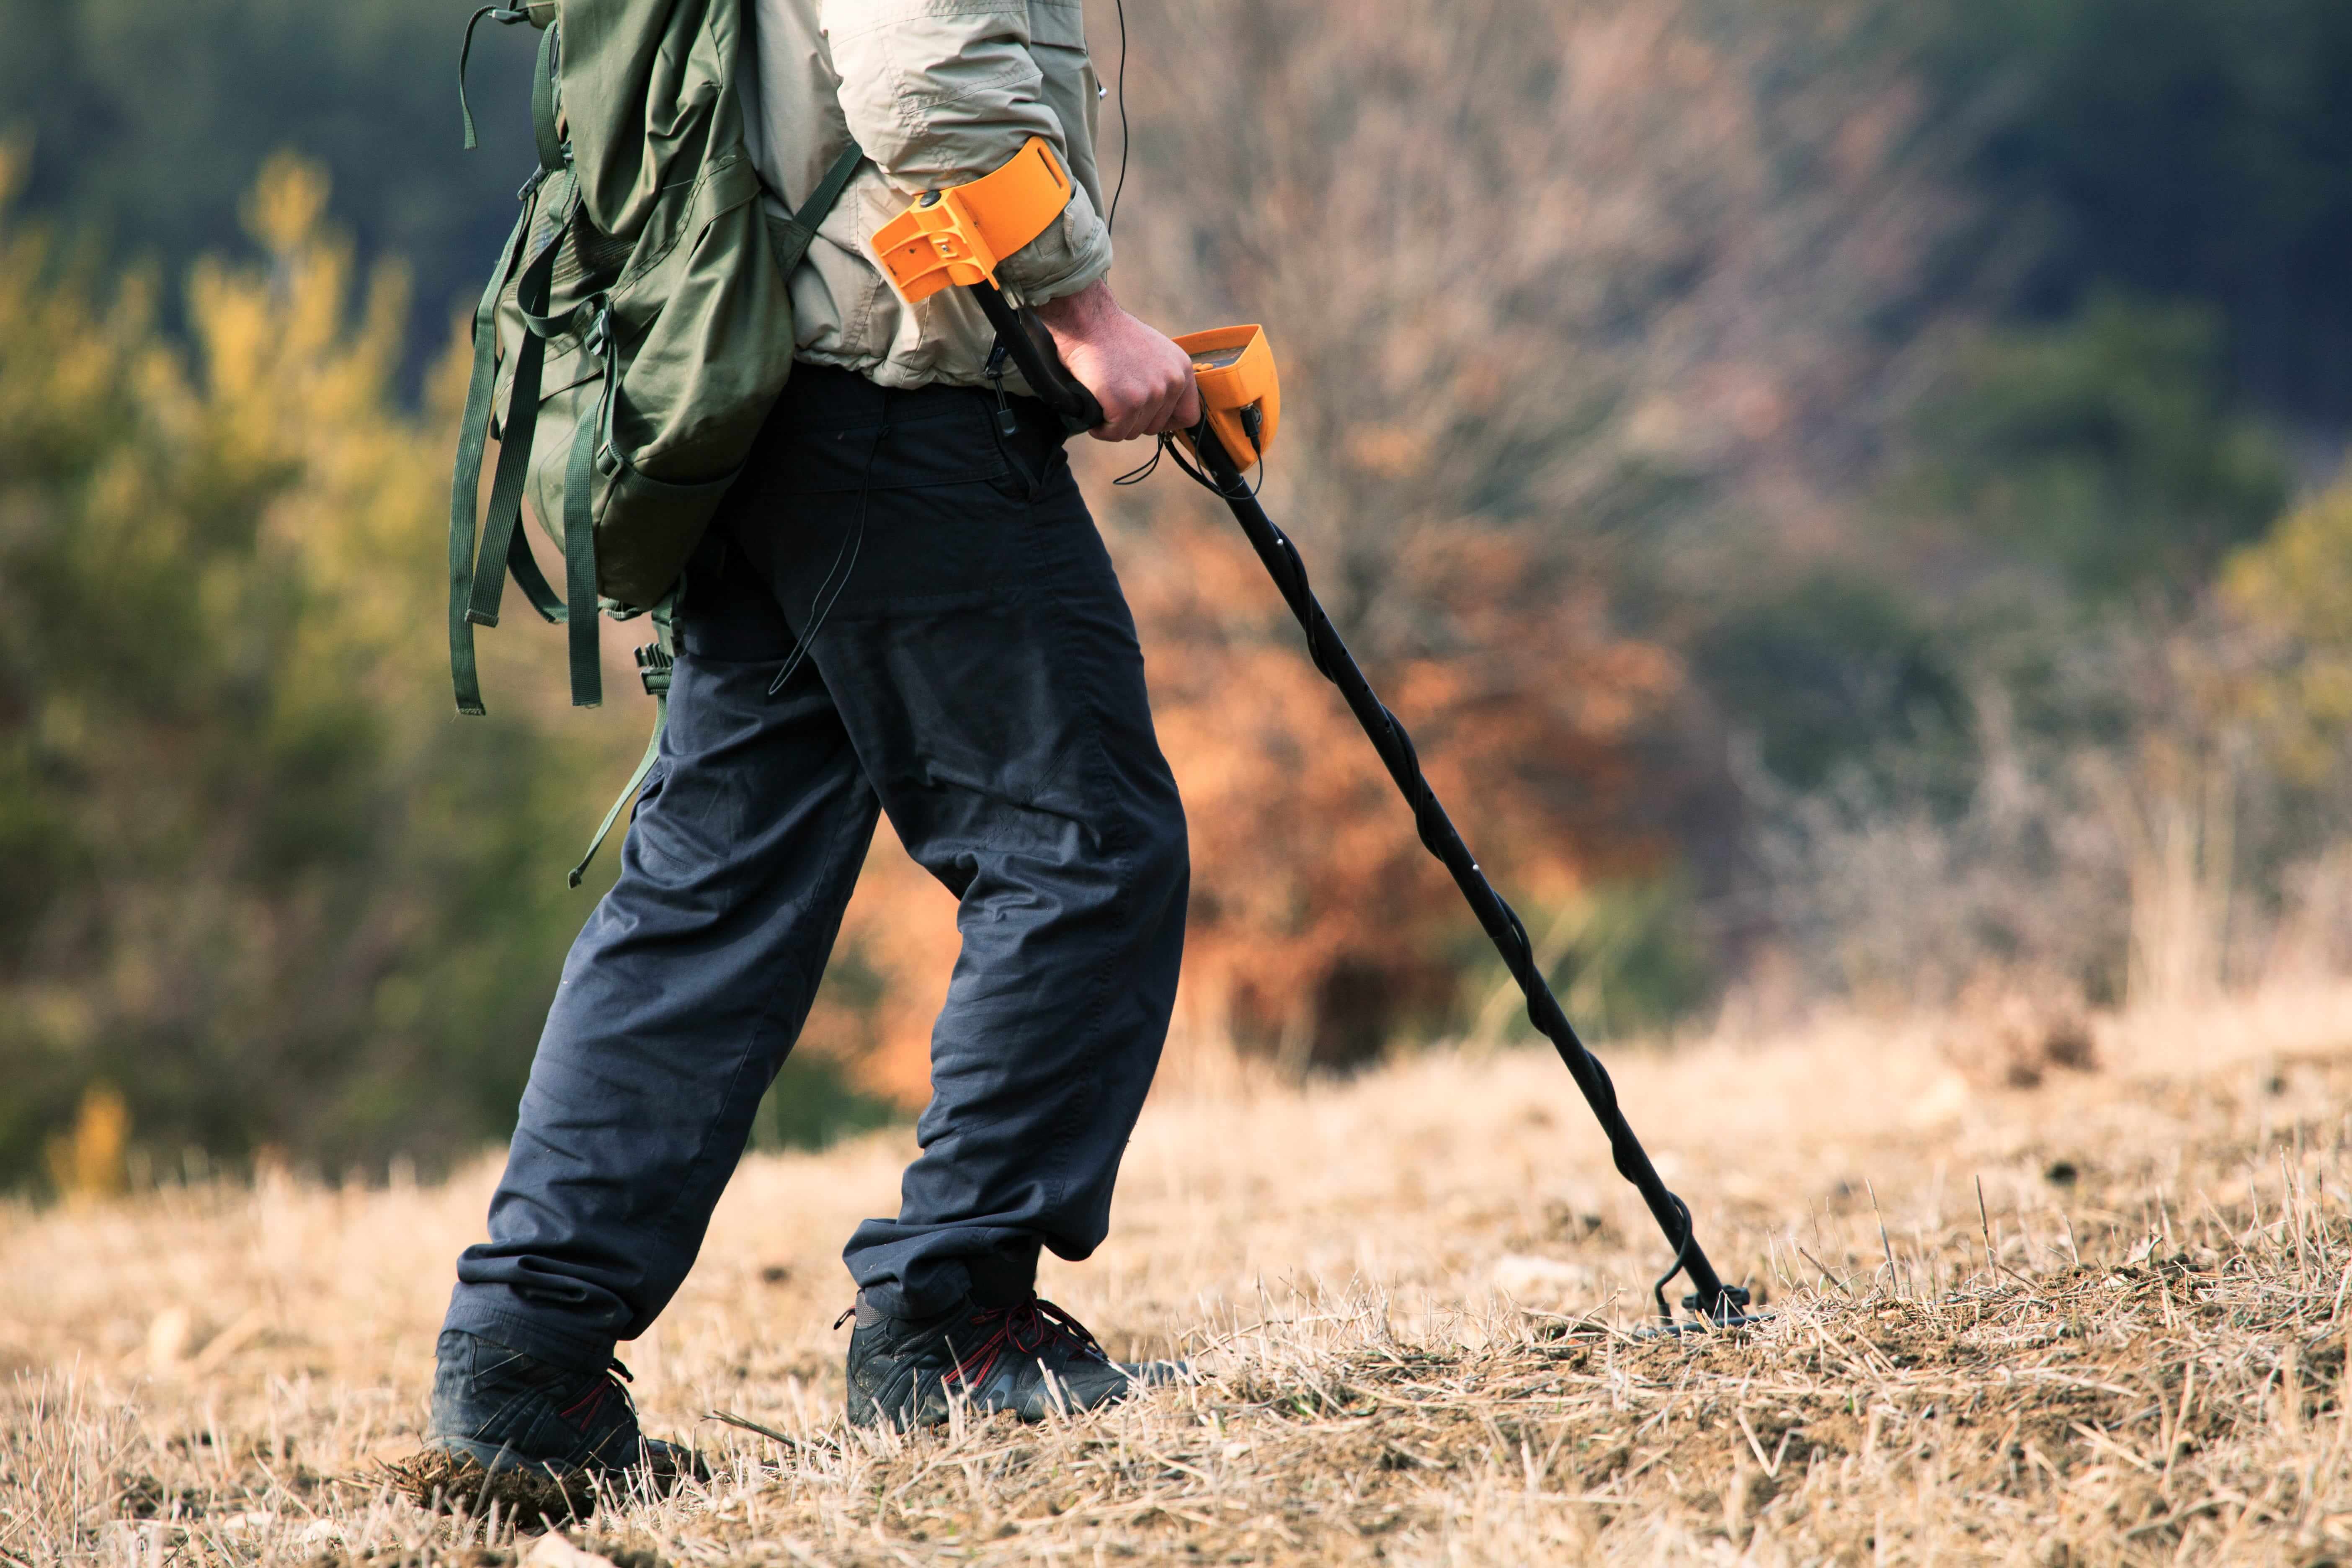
[259, 874]
[2295, 589]
[88, 1162]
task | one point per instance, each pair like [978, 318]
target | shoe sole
[500, 1460]
[679, 1465]
[864, 1410]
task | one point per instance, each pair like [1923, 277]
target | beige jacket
[937, 92]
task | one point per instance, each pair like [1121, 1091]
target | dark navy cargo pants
[978, 679]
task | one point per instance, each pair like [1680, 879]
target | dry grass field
[2096, 1319]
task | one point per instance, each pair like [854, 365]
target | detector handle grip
[1031, 351]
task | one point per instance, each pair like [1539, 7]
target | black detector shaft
[1031, 348]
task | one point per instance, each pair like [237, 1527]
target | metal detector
[955, 237]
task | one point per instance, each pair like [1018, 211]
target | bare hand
[1143, 382]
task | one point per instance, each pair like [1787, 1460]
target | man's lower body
[900, 609]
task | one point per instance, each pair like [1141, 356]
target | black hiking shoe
[1029, 1358]
[508, 1411]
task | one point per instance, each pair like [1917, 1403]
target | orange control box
[1240, 388]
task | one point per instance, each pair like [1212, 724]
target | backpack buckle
[654, 666]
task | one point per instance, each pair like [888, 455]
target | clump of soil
[453, 1483]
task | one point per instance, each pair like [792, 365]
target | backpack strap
[499, 530]
[474, 584]
[579, 517]
[505, 15]
[537, 13]
[544, 128]
[655, 661]
[791, 235]
[465, 488]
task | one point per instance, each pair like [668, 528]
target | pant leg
[682, 995]
[986, 669]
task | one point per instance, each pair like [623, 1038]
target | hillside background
[1847, 496]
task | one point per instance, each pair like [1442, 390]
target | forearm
[1081, 314]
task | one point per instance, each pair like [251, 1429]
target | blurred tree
[2106, 448]
[2192, 148]
[1321, 929]
[148, 119]
[1837, 671]
[2294, 589]
[259, 881]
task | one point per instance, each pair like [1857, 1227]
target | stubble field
[2096, 1319]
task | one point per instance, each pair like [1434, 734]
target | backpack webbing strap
[542, 101]
[534, 582]
[465, 488]
[498, 531]
[503, 15]
[656, 662]
[790, 236]
[580, 546]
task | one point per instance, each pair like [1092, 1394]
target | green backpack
[634, 335]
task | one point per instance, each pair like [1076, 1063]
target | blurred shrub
[1875, 887]
[1836, 671]
[2106, 446]
[1624, 958]
[89, 1161]
[2293, 594]
[2197, 149]
[147, 121]
[1319, 925]
[259, 878]
[814, 1103]
[2296, 590]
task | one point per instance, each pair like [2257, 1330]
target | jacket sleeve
[939, 92]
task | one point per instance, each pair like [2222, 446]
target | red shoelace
[583, 1410]
[1027, 1328]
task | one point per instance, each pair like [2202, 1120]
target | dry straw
[2129, 1349]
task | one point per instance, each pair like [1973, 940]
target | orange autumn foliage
[1317, 921]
